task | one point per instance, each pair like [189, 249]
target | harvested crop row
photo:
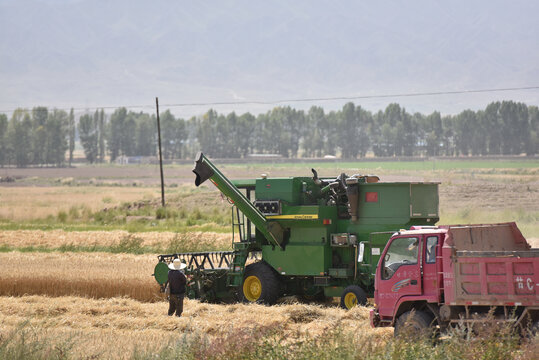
[59, 238]
[93, 275]
[113, 327]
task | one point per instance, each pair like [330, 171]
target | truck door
[431, 269]
[400, 272]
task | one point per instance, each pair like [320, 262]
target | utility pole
[160, 153]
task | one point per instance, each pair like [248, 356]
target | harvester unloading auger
[309, 236]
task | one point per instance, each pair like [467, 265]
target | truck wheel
[352, 296]
[534, 330]
[260, 284]
[414, 324]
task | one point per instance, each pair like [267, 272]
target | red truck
[435, 277]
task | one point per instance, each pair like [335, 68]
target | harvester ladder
[238, 221]
[241, 225]
[237, 268]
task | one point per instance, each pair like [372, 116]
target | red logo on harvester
[371, 196]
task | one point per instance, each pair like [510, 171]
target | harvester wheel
[260, 284]
[414, 324]
[352, 296]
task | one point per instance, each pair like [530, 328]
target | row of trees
[503, 128]
[40, 136]
[43, 137]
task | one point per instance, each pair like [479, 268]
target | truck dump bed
[489, 265]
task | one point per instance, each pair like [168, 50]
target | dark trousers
[175, 303]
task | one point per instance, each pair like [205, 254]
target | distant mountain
[120, 52]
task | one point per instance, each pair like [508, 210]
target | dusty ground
[23, 203]
[20, 203]
[176, 174]
[490, 195]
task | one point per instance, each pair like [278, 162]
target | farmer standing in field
[176, 287]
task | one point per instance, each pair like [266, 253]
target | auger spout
[204, 170]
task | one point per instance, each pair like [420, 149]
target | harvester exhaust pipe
[202, 171]
[352, 192]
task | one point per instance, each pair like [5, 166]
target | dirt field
[23, 203]
[148, 175]
[463, 199]
[29, 203]
[39, 192]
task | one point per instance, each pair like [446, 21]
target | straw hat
[177, 265]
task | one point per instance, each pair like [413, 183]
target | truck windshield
[402, 251]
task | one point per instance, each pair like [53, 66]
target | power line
[358, 97]
[314, 99]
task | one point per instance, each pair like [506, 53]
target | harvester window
[402, 251]
[431, 249]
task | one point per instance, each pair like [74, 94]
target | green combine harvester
[306, 236]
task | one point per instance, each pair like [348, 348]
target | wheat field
[113, 328]
[86, 274]
[92, 275]
[57, 238]
[110, 306]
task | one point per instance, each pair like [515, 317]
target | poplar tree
[20, 138]
[101, 135]
[57, 130]
[114, 133]
[88, 137]
[39, 144]
[71, 135]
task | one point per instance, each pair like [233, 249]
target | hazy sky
[88, 54]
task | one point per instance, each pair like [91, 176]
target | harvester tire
[414, 324]
[260, 284]
[352, 296]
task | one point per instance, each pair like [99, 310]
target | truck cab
[438, 276]
[409, 270]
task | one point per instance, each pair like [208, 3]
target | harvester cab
[314, 237]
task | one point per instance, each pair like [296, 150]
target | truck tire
[414, 324]
[260, 284]
[534, 329]
[352, 296]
